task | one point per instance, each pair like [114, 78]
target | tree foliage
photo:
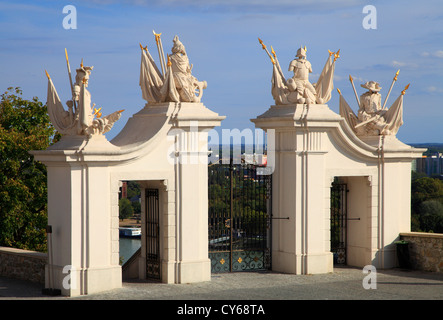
[24, 126]
[125, 208]
[133, 189]
[431, 216]
[427, 204]
[249, 211]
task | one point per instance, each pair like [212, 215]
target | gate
[153, 266]
[339, 221]
[239, 218]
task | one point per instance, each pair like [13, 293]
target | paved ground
[342, 284]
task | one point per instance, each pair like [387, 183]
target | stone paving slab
[267, 295]
[342, 284]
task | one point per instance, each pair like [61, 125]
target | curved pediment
[144, 131]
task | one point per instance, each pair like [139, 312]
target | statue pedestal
[299, 243]
[192, 123]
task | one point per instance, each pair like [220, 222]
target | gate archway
[163, 144]
[313, 145]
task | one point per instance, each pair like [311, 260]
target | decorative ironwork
[153, 266]
[239, 218]
[338, 221]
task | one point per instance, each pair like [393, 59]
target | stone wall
[425, 250]
[23, 264]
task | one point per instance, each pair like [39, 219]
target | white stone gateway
[313, 146]
[163, 146]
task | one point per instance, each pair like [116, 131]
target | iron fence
[239, 218]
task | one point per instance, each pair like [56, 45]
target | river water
[128, 246]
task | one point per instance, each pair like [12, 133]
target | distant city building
[256, 159]
[124, 190]
[430, 165]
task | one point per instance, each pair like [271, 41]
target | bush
[431, 216]
[125, 209]
[427, 204]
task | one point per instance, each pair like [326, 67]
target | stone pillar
[193, 121]
[79, 207]
[299, 242]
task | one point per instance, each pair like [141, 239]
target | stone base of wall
[23, 264]
[425, 250]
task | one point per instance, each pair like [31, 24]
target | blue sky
[221, 41]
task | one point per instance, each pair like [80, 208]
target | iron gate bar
[153, 268]
[231, 209]
[339, 221]
[240, 228]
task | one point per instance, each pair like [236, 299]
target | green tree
[136, 206]
[424, 189]
[133, 189]
[431, 216]
[427, 204]
[125, 208]
[24, 126]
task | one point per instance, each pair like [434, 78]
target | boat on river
[130, 232]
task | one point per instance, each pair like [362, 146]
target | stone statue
[80, 119]
[175, 83]
[185, 82]
[372, 118]
[301, 90]
[298, 89]
[370, 112]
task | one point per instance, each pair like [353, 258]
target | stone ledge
[26, 253]
[422, 235]
[23, 264]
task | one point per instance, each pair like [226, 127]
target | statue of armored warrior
[80, 118]
[85, 113]
[298, 89]
[299, 83]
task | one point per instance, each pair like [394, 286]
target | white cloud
[233, 5]
[435, 54]
[338, 78]
[402, 64]
[434, 89]
[398, 63]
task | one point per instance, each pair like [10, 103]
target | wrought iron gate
[339, 221]
[153, 266]
[239, 218]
